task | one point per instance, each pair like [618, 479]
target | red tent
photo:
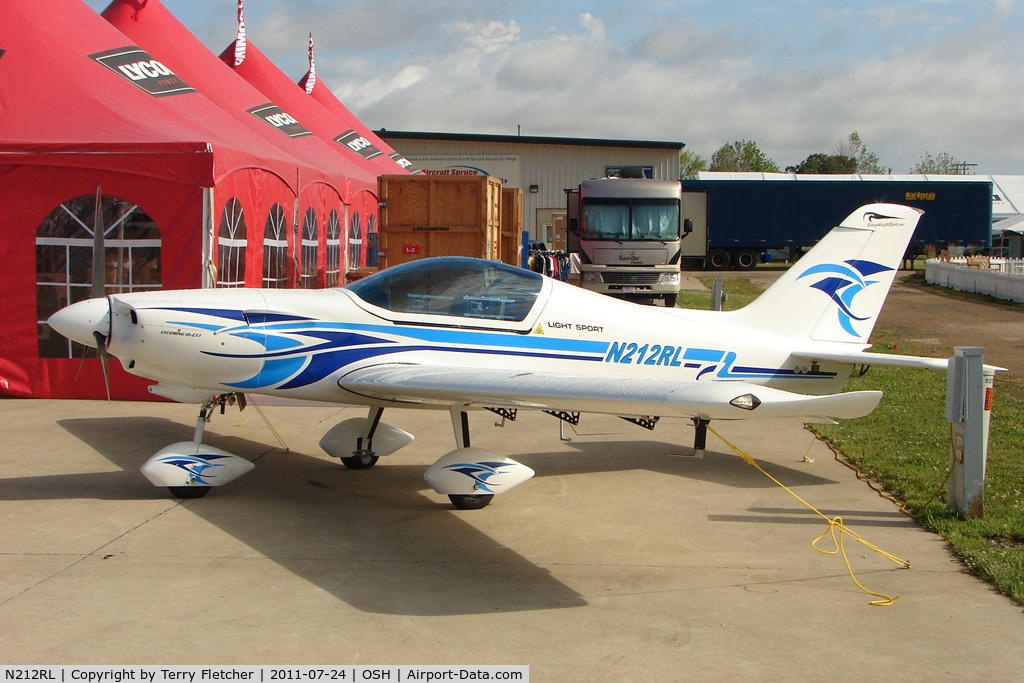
[88, 115]
[247, 61]
[323, 204]
[371, 145]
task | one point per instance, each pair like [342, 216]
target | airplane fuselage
[299, 343]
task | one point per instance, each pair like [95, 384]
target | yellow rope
[271, 427]
[243, 422]
[834, 524]
[273, 431]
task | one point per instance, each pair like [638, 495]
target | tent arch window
[231, 241]
[310, 250]
[333, 268]
[355, 240]
[64, 244]
[275, 249]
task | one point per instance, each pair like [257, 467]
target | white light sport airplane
[459, 334]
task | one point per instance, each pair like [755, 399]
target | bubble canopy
[453, 286]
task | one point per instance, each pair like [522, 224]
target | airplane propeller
[99, 284]
[101, 351]
[99, 255]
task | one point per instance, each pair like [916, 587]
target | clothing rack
[554, 264]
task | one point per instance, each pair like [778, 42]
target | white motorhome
[628, 233]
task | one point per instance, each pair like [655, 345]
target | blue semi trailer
[736, 222]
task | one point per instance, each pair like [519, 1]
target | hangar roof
[528, 139]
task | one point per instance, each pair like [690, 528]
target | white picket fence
[998, 277]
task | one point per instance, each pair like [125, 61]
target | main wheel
[189, 491]
[357, 462]
[464, 502]
[719, 259]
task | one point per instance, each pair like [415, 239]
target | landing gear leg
[700, 436]
[363, 457]
[460, 424]
[205, 413]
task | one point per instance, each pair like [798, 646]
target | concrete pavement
[617, 562]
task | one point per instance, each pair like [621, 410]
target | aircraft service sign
[140, 69]
[503, 166]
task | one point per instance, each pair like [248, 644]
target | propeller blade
[99, 256]
[101, 351]
[81, 362]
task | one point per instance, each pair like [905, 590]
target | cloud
[593, 26]
[906, 76]
[487, 36]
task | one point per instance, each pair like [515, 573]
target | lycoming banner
[140, 69]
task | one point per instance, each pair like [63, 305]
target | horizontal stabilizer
[890, 359]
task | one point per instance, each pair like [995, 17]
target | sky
[796, 77]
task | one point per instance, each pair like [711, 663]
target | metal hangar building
[542, 167]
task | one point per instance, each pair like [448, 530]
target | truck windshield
[631, 219]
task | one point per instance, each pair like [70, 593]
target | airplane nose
[78, 321]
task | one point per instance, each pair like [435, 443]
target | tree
[690, 164]
[825, 163]
[742, 155]
[943, 163]
[867, 162]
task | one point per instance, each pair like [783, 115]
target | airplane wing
[627, 396]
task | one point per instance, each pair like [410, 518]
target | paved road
[617, 562]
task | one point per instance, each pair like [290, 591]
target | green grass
[738, 290]
[904, 446]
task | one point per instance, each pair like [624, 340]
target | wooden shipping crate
[424, 215]
[511, 225]
[559, 228]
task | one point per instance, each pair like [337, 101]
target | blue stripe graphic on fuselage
[342, 346]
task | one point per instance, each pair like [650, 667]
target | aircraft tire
[189, 491]
[464, 502]
[356, 462]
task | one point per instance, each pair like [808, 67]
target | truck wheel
[670, 300]
[719, 259]
[746, 259]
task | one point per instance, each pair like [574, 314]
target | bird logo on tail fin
[842, 282]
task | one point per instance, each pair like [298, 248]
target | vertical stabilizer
[835, 292]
